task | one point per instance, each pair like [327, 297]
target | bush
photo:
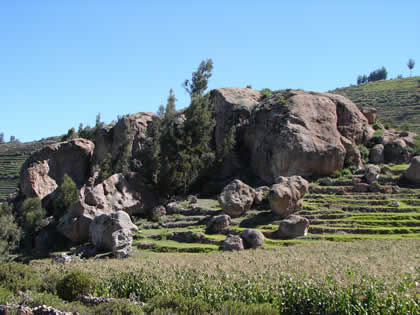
[9, 232]
[388, 125]
[18, 277]
[364, 152]
[66, 195]
[266, 93]
[74, 284]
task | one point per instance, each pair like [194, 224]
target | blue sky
[62, 62]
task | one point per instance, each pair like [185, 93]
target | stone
[375, 187]
[44, 170]
[386, 170]
[261, 194]
[113, 232]
[157, 212]
[286, 196]
[218, 224]
[252, 238]
[376, 155]
[396, 152]
[395, 189]
[372, 173]
[361, 187]
[353, 156]
[145, 245]
[233, 107]
[412, 174]
[395, 204]
[236, 198]
[62, 258]
[292, 226]
[122, 192]
[111, 140]
[370, 114]
[300, 133]
[232, 242]
[187, 237]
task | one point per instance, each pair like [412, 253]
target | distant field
[396, 100]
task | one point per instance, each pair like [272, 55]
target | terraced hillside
[334, 215]
[396, 100]
[12, 156]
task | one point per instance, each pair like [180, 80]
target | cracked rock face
[292, 132]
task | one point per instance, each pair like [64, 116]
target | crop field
[396, 100]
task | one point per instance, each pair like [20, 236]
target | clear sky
[62, 62]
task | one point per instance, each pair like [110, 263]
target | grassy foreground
[371, 276]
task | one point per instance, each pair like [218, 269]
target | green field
[396, 100]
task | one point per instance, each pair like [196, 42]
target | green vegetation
[66, 195]
[9, 232]
[74, 284]
[396, 100]
[357, 277]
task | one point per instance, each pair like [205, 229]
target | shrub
[388, 125]
[74, 284]
[66, 195]
[18, 277]
[266, 93]
[9, 232]
[364, 152]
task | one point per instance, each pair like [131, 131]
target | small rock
[218, 224]
[252, 238]
[372, 173]
[293, 226]
[232, 242]
[395, 204]
[395, 189]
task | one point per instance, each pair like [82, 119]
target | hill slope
[396, 100]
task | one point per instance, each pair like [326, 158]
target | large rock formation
[396, 151]
[412, 174]
[291, 132]
[113, 232]
[218, 224]
[286, 196]
[44, 170]
[122, 192]
[131, 128]
[236, 198]
[118, 192]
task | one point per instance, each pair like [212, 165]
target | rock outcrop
[396, 151]
[370, 114]
[286, 196]
[236, 198]
[113, 232]
[292, 226]
[290, 132]
[412, 174]
[127, 193]
[252, 238]
[122, 192]
[372, 173]
[43, 172]
[131, 128]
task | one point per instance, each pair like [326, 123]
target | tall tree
[197, 155]
[1, 137]
[410, 65]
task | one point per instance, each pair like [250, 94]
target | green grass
[396, 100]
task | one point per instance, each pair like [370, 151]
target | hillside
[396, 100]
[12, 156]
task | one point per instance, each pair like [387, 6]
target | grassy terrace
[396, 100]
[333, 217]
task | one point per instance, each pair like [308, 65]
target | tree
[12, 139]
[71, 134]
[66, 195]
[9, 232]
[197, 156]
[99, 123]
[1, 137]
[379, 74]
[410, 65]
